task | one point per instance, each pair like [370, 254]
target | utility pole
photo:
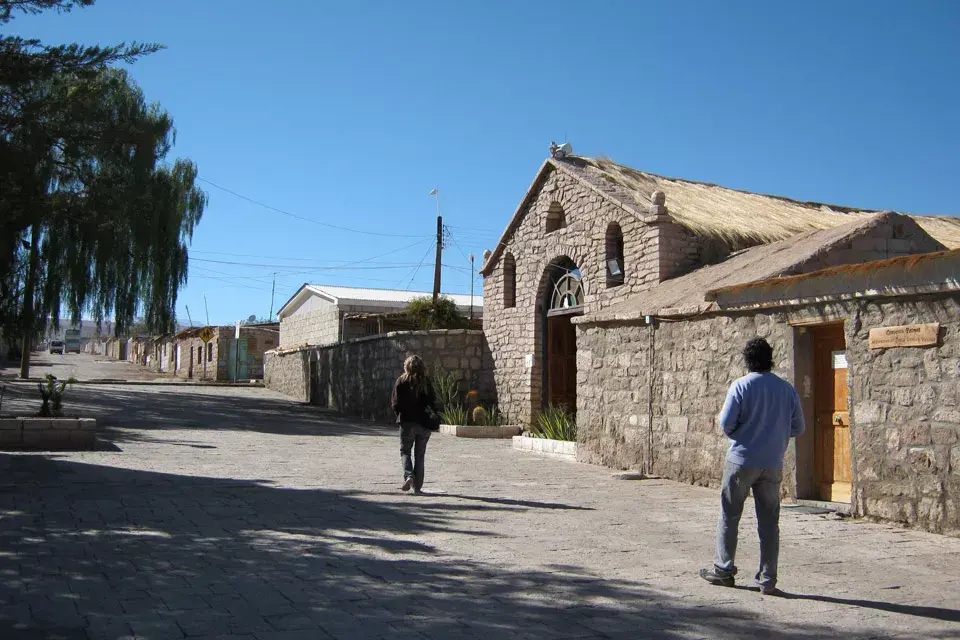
[471, 286]
[206, 309]
[436, 267]
[188, 315]
[273, 290]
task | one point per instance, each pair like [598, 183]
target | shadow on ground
[155, 408]
[108, 551]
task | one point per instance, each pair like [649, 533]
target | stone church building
[627, 296]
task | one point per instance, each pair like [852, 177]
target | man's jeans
[737, 482]
[415, 437]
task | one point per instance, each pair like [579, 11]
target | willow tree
[92, 218]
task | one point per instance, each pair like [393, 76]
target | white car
[56, 346]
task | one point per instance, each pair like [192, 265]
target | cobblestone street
[232, 512]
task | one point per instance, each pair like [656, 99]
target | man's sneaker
[407, 483]
[719, 579]
[769, 589]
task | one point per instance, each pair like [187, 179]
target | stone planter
[48, 434]
[557, 448]
[477, 431]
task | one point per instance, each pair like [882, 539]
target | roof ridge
[806, 203]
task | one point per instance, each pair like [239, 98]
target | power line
[414, 275]
[298, 217]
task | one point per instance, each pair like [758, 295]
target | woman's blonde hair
[415, 374]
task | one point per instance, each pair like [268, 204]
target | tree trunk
[27, 319]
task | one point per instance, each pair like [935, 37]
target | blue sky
[348, 113]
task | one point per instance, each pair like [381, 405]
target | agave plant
[453, 414]
[555, 423]
[446, 385]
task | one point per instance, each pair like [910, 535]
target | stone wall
[514, 332]
[356, 377]
[648, 399]
[648, 395]
[906, 414]
[288, 373]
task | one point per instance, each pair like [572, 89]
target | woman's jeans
[413, 437]
[737, 482]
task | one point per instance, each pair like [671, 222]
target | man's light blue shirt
[760, 415]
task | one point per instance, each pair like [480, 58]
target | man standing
[760, 415]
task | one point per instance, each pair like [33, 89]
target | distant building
[222, 357]
[318, 315]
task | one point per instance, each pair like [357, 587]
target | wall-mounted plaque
[908, 335]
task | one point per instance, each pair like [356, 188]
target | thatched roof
[686, 295]
[740, 218]
[935, 272]
[737, 219]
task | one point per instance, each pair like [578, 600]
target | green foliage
[446, 386]
[555, 423]
[92, 218]
[51, 394]
[453, 414]
[445, 316]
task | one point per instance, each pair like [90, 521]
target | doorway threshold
[827, 507]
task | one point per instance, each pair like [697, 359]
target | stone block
[10, 424]
[37, 424]
[10, 437]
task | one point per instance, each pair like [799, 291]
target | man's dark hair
[758, 355]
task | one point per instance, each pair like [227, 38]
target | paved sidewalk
[235, 513]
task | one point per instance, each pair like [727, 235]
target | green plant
[446, 386]
[453, 414]
[555, 423]
[445, 315]
[51, 393]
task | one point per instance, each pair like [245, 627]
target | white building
[315, 314]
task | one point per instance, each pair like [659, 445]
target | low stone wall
[357, 377]
[288, 373]
[48, 434]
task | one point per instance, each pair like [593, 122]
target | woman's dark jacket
[408, 405]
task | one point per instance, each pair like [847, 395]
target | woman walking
[412, 402]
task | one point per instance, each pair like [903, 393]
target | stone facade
[653, 250]
[649, 396]
[356, 377]
[288, 373]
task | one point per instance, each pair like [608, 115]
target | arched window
[509, 281]
[567, 292]
[614, 255]
[555, 218]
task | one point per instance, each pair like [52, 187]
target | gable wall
[514, 333]
[315, 322]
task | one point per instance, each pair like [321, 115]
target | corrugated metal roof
[360, 295]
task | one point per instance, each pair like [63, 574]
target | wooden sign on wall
[908, 335]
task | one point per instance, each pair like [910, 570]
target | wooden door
[562, 362]
[832, 417]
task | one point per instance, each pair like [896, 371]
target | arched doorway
[562, 300]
